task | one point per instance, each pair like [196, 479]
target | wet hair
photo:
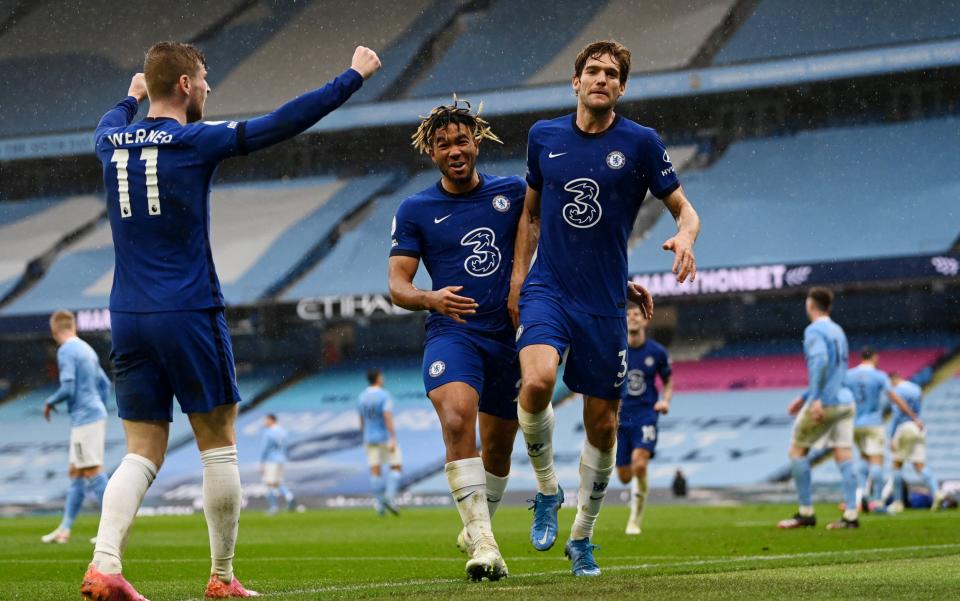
[821, 297]
[867, 352]
[615, 49]
[165, 62]
[451, 114]
[62, 320]
[373, 374]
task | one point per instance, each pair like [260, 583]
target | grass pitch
[685, 553]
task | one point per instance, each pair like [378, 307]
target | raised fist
[365, 62]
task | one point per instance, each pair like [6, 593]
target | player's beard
[194, 110]
[470, 170]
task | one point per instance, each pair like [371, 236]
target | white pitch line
[620, 568]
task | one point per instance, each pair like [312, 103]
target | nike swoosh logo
[543, 540]
[600, 498]
[439, 219]
[466, 496]
[550, 155]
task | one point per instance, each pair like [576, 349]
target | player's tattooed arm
[688, 224]
[404, 294]
[528, 235]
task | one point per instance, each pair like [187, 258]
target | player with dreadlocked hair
[463, 228]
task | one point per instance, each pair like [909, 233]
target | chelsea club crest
[437, 368]
[616, 160]
[501, 203]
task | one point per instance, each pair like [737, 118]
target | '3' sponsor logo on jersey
[485, 259]
[584, 210]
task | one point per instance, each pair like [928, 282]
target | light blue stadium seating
[515, 39]
[780, 28]
[821, 196]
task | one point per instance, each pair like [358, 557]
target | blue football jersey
[640, 394]
[826, 351]
[157, 175]
[465, 240]
[274, 445]
[374, 401]
[869, 386]
[591, 187]
[912, 394]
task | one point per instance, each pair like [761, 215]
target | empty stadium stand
[781, 28]
[30, 229]
[661, 36]
[261, 235]
[317, 44]
[824, 195]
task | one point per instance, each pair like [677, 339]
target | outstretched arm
[300, 113]
[528, 236]
[688, 224]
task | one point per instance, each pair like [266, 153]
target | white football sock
[468, 485]
[638, 498]
[121, 500]
[596, 466]
[495, 487]
[538, 434]
[221, 507]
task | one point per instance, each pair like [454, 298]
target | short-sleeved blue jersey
[640, 394]
[869, 386]
[374, 401]
[591, 187]
[465, 240]
[83, 385]
[912, 394]
[826, 351]
[274, 445]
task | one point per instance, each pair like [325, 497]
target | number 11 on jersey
[148, 155]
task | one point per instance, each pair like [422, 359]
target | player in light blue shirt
[273, 460]
[908, 442]
[873, 393]
[824, 412]
[375, 406]
[85, 388]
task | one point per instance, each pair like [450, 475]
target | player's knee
[539, 385]
[456, 427]
[640, 468]
[624, 474]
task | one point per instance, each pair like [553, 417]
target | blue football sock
[876, 481]
[272, 499]
[393, 484]
[930, 481]
[898, 486]
[97, 485]
[849, 485]
[802, 478]
[73, 504]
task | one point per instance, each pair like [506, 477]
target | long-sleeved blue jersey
[826, 350]
[83, 384]
[273, 447]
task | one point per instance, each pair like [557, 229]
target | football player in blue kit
[587, 174]
[640, 408]
[170, 337]
[463, 229]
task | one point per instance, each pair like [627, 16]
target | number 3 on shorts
[623, 367]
